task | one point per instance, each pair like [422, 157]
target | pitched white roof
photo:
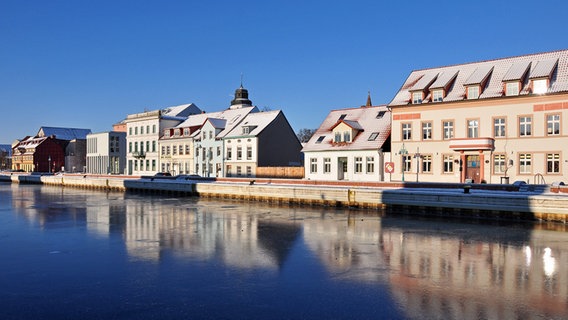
[257, 121]
[374, 129]
[493, 73]
[230, 117]
[63, 133]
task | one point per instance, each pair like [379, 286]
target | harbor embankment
[479, 201]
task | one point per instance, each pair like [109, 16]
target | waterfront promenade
[519, 202]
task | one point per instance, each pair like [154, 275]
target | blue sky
[87, 64]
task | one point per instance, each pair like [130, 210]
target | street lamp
[49, 164]
[417, 156]
[403, 152]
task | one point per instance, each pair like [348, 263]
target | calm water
[77, 254]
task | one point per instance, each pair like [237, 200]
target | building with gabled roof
[261, 139]
[5, 156]
[350, 144]
[491, 121]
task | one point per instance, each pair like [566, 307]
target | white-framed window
[525, 126]
[239, 152]
[417, 97]
[512, 88]
[249, 152]
[525, 163]
[358, 164]
[438, 95]
[326, 165]
[473, 92]
[499, 127]
[448, 129]
[473, 128]
[187, 149]
[337, 137]
[347, 136]
[448, 163]
[499, 163]
[229, 153]
[427, 163]
[239, 171]
[553, 124]
[313, 165]
[249, 171]
[407, 163]
[553, 163]
[539, 86]
[426, 130]
[370, 164]
[186, 131]
[153, 145]
[406, 131]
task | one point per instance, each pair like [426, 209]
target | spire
[369, 104]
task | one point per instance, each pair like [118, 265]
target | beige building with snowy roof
[350, 144]
[495, 121]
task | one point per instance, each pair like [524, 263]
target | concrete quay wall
[440, 202]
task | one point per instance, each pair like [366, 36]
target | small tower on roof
[241, 98]
[369, 104]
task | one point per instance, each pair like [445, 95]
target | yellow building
[495, 121]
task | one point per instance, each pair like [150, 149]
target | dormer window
[539, 86]
[438, 95]
[167, 133]
[512, 88]
[337, 137]
[320, 139]
[417, 97]
[186, 131]
[347, 136]
[472, 92]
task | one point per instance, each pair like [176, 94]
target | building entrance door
[472, 169]
[341, 168]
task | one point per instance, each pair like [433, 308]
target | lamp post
[403, 152]
[417, 156]
[49, 164]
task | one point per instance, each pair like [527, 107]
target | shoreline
[499, 202]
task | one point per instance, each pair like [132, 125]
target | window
[347, 136]
[553, 163]
[148, 129]
[370, 164]
[135, 130]
[135, 146]
[499, 163]
[167, 149]
[135, 165]
[142, 130]
[147, 165]
[239, 171]
[229, 153]
[525, 164]
[218, 151]
[313, 165]
[373, 136]
[197, 152]
[154, 128]
[342, 117]
[326, 165]
[553, 124]
[130, 147]
[167, 133]
[239, 153]
[320, 139]
[437, 95]
[130, 131]
[473, 128]
[249, 171]
[186, 131]
[448, 130]
[427, 163]
[525, 126]
[249, 153]
[426, 130]
[154, 146]
[381, 114]
[187, 149]
[540, 86]
[406, 131]
[499, 127]
[147, 146]
[358, 164]
[512, 88]
[337, 137]
[448, 163]
[473, 92]
[406, 163]
[176, 133]
[210, 135]
[417, 97]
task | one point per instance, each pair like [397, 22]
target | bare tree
[305, 134]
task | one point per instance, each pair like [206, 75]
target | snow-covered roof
[226, 119]
[492, 73]
[374, 129]
[63, 133]
[183, 111]
[256, 122]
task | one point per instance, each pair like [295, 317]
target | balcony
[139, 155]
[472, 144]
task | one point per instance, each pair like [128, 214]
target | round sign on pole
[389, 167]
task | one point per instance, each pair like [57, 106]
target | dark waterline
[77, 254]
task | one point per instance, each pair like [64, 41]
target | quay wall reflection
[432, 268]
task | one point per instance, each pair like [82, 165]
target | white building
[106, 152]
[350, 144]
[143, 134]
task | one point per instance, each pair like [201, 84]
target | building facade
[106, 153]
[350, 144]
[143, 131]
[495, 121]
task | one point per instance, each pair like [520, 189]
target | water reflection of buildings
[487, 273]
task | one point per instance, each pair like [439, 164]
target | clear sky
[87, 64]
